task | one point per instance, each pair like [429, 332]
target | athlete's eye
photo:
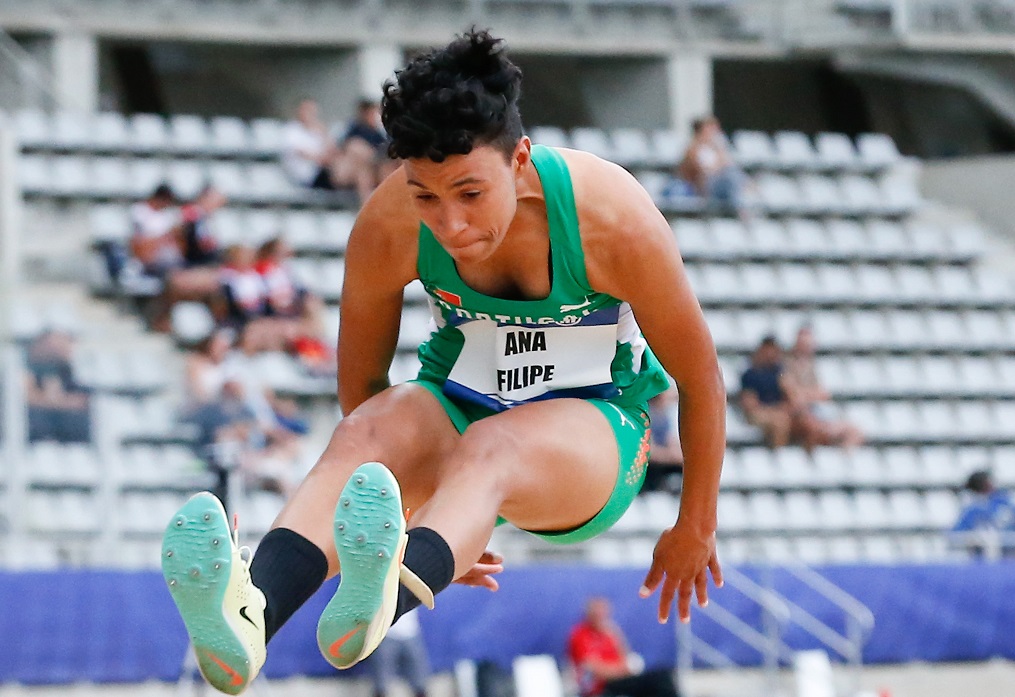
[425, 198]
[472, 194]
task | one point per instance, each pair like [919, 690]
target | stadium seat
[794, 151]
[727, 238]
[807, 239]
[888, 240]
[108, 222]
[779, 194]
[229, 136]
[860, 196]
[71, 177]
[337, 228]
[266, 137]
[877, 150]
[593, 140]
[268, 182]
[189, 134]
[303, 230]
[754, 149]
[186, 177]
[70, 130]
[835, 152]
[942, 508]
[110, 178]
[145, 175]
[109, 132]
[631, 146]
[229, 178]
[34, 173]
[537, 676]
[802, 512]
[872, 512]
[848, 239]
[758, 468]
[667, 148]
[732, 511]
[694, 239]
[148, 134]
[34, 128]
[262, 224]
[551, 136]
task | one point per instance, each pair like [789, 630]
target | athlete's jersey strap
[561, 212]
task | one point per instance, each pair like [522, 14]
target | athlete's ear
[522, 155]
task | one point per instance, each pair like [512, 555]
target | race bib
[502, 365]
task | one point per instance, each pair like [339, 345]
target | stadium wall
[62, 627]
[979, 184]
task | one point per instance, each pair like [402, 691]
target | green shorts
[632, 444]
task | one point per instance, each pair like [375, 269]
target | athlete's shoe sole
[199, 559]
[370, 539]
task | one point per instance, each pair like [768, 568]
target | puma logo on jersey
[573, 308]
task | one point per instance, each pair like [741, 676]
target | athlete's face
[468, 201]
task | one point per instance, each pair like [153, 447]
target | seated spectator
[666, 459]
[763, 395]
[599, 653]
[823, 422]
[986, 524]
[200, 246]
[309, 157]
[246, 298]
[710, 170]
[363, 150]
[58, 407]
[295, 311]
[156, 243]
[205, 368]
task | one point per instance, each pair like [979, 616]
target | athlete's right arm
[379, 261]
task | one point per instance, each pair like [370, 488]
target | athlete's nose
[452, 224]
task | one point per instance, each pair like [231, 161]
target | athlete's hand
[681, 562]
[481, 574]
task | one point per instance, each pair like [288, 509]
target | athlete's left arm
[631, 254]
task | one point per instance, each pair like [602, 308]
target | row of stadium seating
[230, 137]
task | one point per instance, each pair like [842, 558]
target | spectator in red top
[599, 652]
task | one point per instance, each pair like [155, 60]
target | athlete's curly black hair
[452, 99]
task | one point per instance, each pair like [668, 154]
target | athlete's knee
[485, 452]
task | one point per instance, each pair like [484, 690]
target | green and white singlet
[487, 354]
[574, 343]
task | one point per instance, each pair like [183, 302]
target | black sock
[288, 568]
[428, 556]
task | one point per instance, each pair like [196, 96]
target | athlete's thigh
[558, 461]
[404, 427]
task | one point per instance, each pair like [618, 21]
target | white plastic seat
[794, 151]
[34, 128]
[302, 229]
[820, 195]
[337, 226]
[593, 140]
[148, 133]
[876, 283]
[416, 327]
[832, 329]
[1006, 375]
[724, 329]
[768, 237]
[35, 173]
[189, 134]
[867, 375]
[928, 240]
[779, 194]
[967, 239]
[766, 511]
[793, 468]
[537, 676]
[109, 132]
[866, 468]
[655, 184]
[942, 508]
[186, 177]
[844, 549]
[228, 136]
[980, 376]
[262, 225]
[802, 512]
[550, 136]
[877, 150]
[872, 510]
[694, 238]
[70, 130]
[761, 283]
[753, 149]
[899, 194]
[330, 279]
[938, 466]
[916, 284]
[229, 178]
[631, 146]
[880, 549]
[975, 421]
[799, 284]
[145, 175]
[904, 375]
[70, 176]
[848, 238]
[719, 282]
[908, 329]
[902, 466]
[831, 467]
[728, 237]
[836, 283]
[108, 222]
[268, 182]
[867, 417]
[939, 420]
[985, 329]
[110, 177]
[888, 239]
[860, 195]
[266, 136]
[757, 467]
[835, 151]
[947, 329]
[837, 510]
[667, 148]
[807, 238]
[955, 284]
[906, 509]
